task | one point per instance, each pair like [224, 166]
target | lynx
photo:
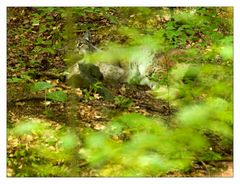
[134, 66]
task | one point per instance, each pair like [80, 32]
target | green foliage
[221, 51]
[198, 25]
[22, 79]
[226, 50]
[123, 102]
[133, 145]
[28, 127]
[36, 38]
[215, 115]
[94, 87]
[191, 83]
[39, 86]
[47, 149]
[58, 96]
[14, 80]
[211, 156]
[68, 141]
[89, 94]
[48, 112]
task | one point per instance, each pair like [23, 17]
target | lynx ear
[83, 45]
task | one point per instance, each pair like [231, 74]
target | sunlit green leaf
[58, 96]
[165, 92]
[39, 86]
[193, 115]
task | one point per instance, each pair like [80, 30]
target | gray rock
[83, 75]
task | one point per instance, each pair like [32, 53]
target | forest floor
[95, 113]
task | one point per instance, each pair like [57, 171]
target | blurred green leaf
[227, 52]
[29, 127]
[69, 141]
[194, 116]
